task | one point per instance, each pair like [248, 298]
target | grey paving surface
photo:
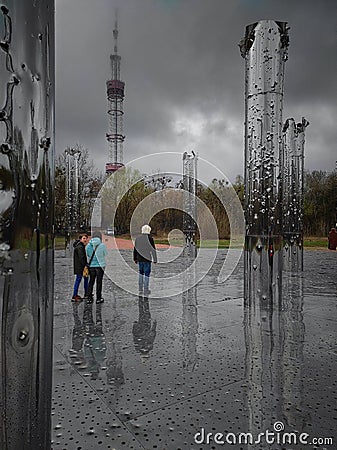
[137, 373]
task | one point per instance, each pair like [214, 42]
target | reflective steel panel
[26, 218]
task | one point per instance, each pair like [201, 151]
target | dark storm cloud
[185, 77]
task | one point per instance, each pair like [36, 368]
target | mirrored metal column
[189, 297]
[264, 48]
[292, 163]
[190, 209]
[73, 156]
[26, 221]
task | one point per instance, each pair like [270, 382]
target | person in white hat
[144, 253]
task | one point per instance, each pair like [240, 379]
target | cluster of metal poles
[274, 153]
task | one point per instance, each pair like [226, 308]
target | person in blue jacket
[96, 253]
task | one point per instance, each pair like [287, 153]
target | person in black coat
[144, 253]
[80, 262]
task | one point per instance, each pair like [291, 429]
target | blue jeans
[77, 284]
[144, 275]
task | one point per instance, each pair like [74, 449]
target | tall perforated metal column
[292, 193]
[190, 208]
[26, 221]
[73, 156]
[264, 48]
[72, 187]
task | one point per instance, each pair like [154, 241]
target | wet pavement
[150, 373]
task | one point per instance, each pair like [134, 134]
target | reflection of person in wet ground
[76, 352]
[332, 237]
[144, 330]
[115, 375]
[94, 340]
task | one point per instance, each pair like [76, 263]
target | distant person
[144, 253]
[80, 262]
[96, 253]
[332, 238]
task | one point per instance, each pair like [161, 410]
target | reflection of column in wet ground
[274, 360]
[292, 333]
[292, 193]
[189, 318]
[262, 361]
[264, 48]
[26, 217]
[190, 209]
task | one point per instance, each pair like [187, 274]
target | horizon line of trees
[319, 202]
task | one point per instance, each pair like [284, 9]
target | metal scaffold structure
[115, 95]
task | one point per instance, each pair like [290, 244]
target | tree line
[128, 189]
[320, 202]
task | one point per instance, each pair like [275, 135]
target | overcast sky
[184, 76]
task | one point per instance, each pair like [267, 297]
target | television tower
[115, 95]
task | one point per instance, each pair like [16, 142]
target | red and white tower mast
[115, 95]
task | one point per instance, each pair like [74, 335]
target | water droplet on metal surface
[23, 335]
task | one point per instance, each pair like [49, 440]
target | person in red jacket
[332, 237]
